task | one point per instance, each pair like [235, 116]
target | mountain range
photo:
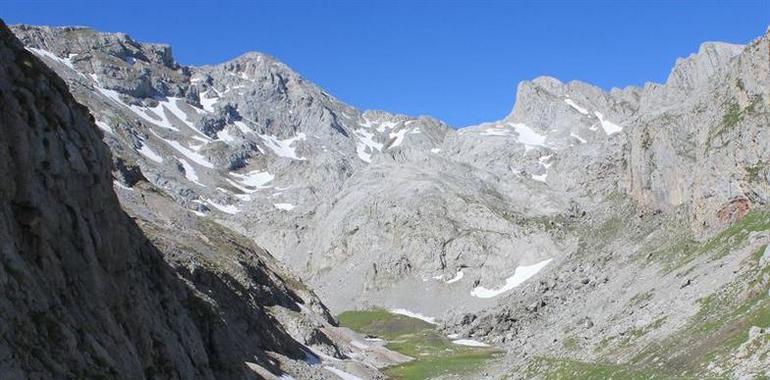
[237, 207]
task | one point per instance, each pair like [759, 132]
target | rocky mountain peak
[253, 65]
[623, 194]
[694, 71]
[89, 292]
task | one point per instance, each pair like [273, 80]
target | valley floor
[435, 355]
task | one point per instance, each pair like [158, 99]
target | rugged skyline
[455, 62]
[628, 226]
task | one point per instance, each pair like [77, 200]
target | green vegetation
[558, 369]
[604, 343]
[672, 247]
[759, 253]
[382, 323]
[639, 298]
[732, 117]
[723, 321]
[753, 172]
[678, 250]
[455, 361]
[636, 333]
[736, 234]
[722, 324]
[610, 228]
[434, 354]
[571, 343]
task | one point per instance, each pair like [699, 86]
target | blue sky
[459, 61]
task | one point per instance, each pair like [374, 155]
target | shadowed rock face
[85, 294]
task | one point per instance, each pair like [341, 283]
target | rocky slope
[634, 208]
[88, 291]
[252, 143]
[670, 275]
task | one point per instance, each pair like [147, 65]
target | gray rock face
[86, 292]
[648, 262]
[616, 188]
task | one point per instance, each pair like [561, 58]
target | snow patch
[283, 148]
[575, 106]
[397, 137]
[189, 172]
[544, 161]
[104, 126]
[64, 61]
[366, 141]
[457, 277]
[520, 274]
[386, 125]
[158, 111]
[149, 153]
[229, 209]
[497, 130]
[145, 113]
[284, 206]
[255, 178]
[524, 134]
[527, 135]
[582, 140]
[121, 186]
[470, 342]
[250, 182]
[208, 102]
[608, 126]
[243, 127]
[412, 314]
[225, 136]
[187, 152]
[172, 105]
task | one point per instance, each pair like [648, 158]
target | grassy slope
[565, 369]
[712, 335]
[434, 354]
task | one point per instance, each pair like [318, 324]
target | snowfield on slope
[284, 206]
[412, 314]
[574, 105]
[284, 148]
[469, 343]
[609, 127]
[520, 274]
[458, 276]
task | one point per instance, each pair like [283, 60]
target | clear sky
[459, 61]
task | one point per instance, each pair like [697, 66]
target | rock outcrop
[636, 213]
[88, 292]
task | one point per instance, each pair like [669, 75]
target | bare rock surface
[89, 292]
[587, 226]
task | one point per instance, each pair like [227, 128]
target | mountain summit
[621, 233]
